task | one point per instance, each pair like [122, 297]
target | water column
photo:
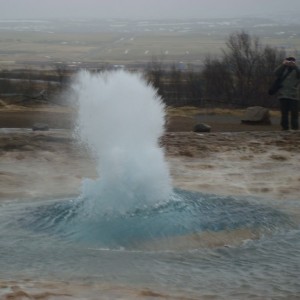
[120, 120]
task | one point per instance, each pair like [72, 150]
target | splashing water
[120, 119]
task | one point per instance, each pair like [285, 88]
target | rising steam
[120, 119]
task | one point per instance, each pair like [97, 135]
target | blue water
[183, 214]
[52, 240]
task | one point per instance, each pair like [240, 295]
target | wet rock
[201, 127]
[2, 103]
[257, 115]
[40, 127]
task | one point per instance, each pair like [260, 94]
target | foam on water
[120, 120]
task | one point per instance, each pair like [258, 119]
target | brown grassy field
[24, 48]
[112, 47]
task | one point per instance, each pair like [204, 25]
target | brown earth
[178, 119]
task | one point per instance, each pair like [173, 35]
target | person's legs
[284, 107]
[294, 114]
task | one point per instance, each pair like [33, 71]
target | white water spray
[120, 119]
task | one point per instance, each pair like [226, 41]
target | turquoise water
[51, 240]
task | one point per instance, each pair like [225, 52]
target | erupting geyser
[120, 119]
[129, 233]
[131, 204]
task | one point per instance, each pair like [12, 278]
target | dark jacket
[290, 86]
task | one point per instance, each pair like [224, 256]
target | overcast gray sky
[142, 8]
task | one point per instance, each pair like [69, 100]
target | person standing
[289, 94]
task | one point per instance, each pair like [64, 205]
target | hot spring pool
[194, 245]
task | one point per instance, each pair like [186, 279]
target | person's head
[290, 61]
